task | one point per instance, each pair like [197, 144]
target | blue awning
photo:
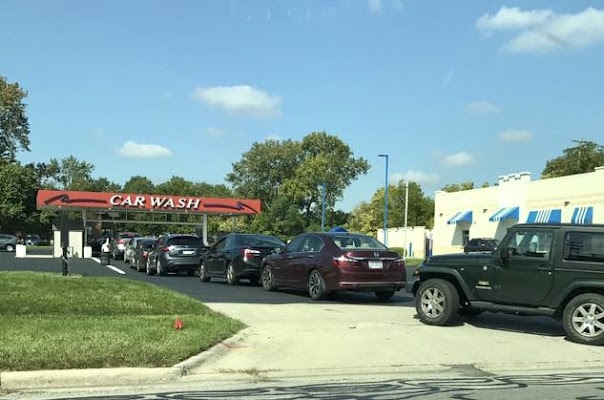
[462, 216]
[583, 215]
[506, 213]
[545, 216]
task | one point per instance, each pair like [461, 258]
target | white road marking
[116, 269]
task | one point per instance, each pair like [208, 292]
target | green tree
[69, 173]
[364, 218]
[579, 159]
[14, 126]
[139, 184]
[294, 172]
[18, 185]
[458, 187]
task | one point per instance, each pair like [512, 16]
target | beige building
[416, 240]
[488, 212]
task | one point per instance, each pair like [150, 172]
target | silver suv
[8, 242]
[174, 253]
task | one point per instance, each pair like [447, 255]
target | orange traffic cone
[178, 324]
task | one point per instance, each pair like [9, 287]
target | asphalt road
[216, 291]
[535, 387]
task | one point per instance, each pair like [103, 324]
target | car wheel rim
[314, 284]
[588, 320]
[230, 273]
[267, 278]
[433, 303]
[202, 271]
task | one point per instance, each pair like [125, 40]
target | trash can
[105, 258]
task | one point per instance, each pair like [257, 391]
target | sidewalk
[334, 339]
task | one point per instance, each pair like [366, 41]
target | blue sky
[451, 90]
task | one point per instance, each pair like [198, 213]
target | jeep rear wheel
[437, 302]
[583, 319]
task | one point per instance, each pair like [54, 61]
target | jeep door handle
[544, 268]
[310, 256]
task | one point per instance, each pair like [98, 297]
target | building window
[465, 237]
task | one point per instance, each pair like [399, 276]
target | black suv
[481, 244]
[555, 270]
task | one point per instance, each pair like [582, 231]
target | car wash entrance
[128, 208]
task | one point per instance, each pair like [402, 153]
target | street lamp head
[383, 155]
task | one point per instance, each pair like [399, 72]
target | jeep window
[533, 243]
[584, 246]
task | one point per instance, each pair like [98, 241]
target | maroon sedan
[327, 262]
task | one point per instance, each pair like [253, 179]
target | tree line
[288, 176]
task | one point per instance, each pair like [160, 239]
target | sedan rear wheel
[150, 271]
[203, 276]
[316, 286]
[230, 275]
[267, 278]
[160, 271]
[10, 248]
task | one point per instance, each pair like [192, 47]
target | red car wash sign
[144, 202]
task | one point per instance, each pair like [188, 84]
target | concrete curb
[80, 378]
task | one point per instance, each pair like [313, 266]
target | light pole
[385, 201]
[406, 212]
[323, 196]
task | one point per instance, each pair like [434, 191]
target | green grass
[54, 322]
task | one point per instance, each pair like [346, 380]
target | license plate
[188, 252]
[375, 264]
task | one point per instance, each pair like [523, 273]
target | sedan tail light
[167, 249]
[249, 254]
[145, 253]
[344, 262]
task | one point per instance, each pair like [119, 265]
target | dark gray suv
[174, 253]
[8, 242]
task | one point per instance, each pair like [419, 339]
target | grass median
[53, 322]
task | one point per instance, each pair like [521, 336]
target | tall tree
[294, 172]
[139, 184]
[14, 126]
[575, 160]
[18, 186]
[70, 173]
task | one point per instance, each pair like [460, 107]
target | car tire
[267, 279]
[316, 286]
[150, 271]
[583, 319]
[437, 302]
[230, 275]
[137, 265]
[384, 295]
[160, 270]
[203, 275]
[10, 248]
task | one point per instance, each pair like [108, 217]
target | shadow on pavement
[542, 326]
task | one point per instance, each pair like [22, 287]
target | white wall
[513, 190]
[416, 239]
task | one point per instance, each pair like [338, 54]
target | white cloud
[375, 5]
[242, 100]
[515, 136]
[483, 107]
[543, 31]
[132, 149]
[415, 176]
[214, 132]
[460, 159]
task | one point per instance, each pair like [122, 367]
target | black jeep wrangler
[538, 269]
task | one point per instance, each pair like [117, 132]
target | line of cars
[320, 263]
